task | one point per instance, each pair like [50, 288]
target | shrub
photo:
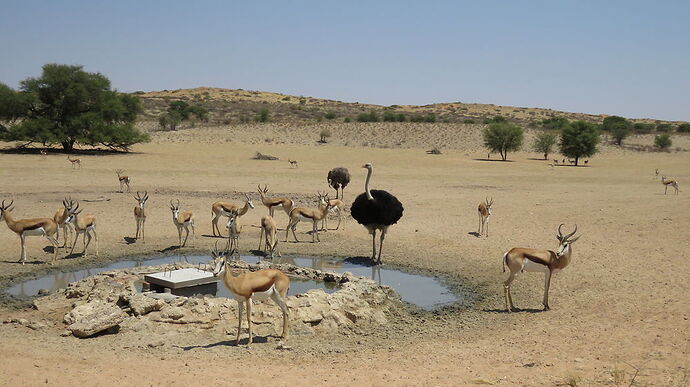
[425, 118]
[368, 117]
[263, 116]
[502, 137]
[579, 139]
[642, 128]
[555, 123]
[663, 141]
[683, 128]
[468, 121]
[389, 117]
[664, 128]
[329, 115]
[347, 119]
[494, 119]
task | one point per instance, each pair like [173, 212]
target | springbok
[83, 225]
[519, 259]
[308, 214]
[182, 220]
[140, 214]
[234, 232]
[29, 227]
[61, 216]
[666, 183]
[286, 204]
[75, 162]
[124, 180]
[484, 211]
[219, 209]
[260, 284]
[269, 236]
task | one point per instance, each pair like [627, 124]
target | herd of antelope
[271, 283]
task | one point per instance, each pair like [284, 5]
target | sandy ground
[622, 303]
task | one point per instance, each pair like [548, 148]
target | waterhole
[424, 291]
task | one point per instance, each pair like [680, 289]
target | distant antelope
[182, 220]
[656, 172]
[140, 214]
[293, 163]
[75, 162]
[336, 206]
[83, 225]
[269, 236]
[234, 232]
[555, 161]
[666, 183]
[308, 214]
[61, 217]
[484, 211]
[520, 259]
[43, 153]
[124, 180]
[571, 161]
[563, 161]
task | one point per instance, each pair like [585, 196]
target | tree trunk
[576, 160]
[68, 145]
[546, 156]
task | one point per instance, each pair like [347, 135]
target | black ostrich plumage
[338, 177]
[384, 210]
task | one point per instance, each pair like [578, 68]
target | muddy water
[424, 291]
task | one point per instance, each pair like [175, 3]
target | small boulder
[142, 304]
[94, 317]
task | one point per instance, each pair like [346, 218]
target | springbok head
[488, 204]
[175, 208]
[233, 218]
[263, 191]
[249, 201]
[142, 199]
[219, 258]
[4, 208]
[73, 211]
[564, 241]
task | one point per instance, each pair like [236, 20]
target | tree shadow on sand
[496, 160]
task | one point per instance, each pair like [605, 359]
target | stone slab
[182, 278]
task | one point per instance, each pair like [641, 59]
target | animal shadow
[213, 236]
[228, 343]
[129, 240]
[169, 249]
[516, 310]
[27, 262]
[49, 249]
[474, 233]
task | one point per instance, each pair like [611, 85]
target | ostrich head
[367, 166]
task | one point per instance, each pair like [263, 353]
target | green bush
[642, 128]
[502, 137]
[555, 123]
[263, 115]
[347, 119]
[179, 111]
[494, 119]
[468, 121]
[663, 141]
[368, 117]
[424, 118]
[330, 115]
[664, 128]
[683, 128]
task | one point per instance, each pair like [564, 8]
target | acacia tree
[579, 139]
[69, 106]
[544, 143]
[619, 127]
[502, 137]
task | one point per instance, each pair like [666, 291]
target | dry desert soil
[619, 313]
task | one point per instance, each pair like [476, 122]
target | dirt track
[623, 302]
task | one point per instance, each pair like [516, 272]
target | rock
[173, 313]
[157, 343]
[43, 292]
[94, 317]
[142, 305]
[284, 347]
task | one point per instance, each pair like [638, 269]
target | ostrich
[376, 210]
[338, 178]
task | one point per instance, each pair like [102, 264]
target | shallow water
[424, 291]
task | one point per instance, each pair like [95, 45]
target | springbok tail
[505, 256]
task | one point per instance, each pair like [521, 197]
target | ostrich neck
[366, 185]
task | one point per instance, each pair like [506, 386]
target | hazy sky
[630, 58]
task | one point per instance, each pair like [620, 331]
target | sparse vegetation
[683, 128]
[579, 139]
[263, 115]
[430, 118]
[368, 117]
[330, 115]
[619, 127]
[664, 128]
[179, 111]
[642, 128]
[494, 120]
[393, 117]
[69, 106]
[663, 141]
[347, 119]
[468, 121]
[503, 137]
[555, 123]
[544, 143]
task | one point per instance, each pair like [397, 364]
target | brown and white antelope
[75, 162]
[124, 180]
[666, 183]
[520, 259]
[293, 163]
[484, 211]
[271, 203]
[219, 209]
[182, 220]
[308, 214]
[234, 231]
[61, 218]
[247, 286]
[140, 214]
[43, 153]
[336, 206]
[269, 236]
[29, 227]
[83, 225]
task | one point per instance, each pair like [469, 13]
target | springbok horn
[572, 233]
[560, 234]
[171, 204]
[178, 203]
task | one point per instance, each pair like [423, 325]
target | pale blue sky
[630, 58]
